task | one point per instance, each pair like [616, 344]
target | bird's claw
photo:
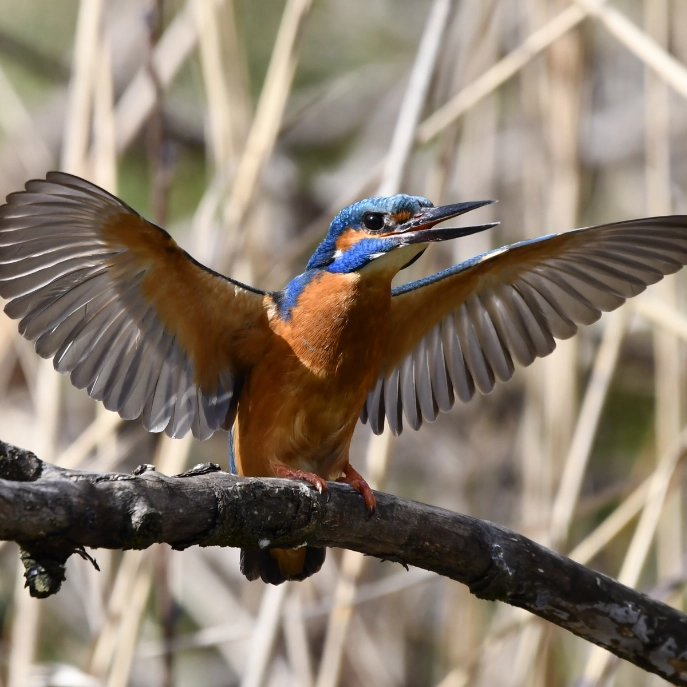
[289, 473]
[355, 479]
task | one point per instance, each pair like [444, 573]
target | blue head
[373, 228]
[382, 232]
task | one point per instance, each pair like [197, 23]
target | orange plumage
[137, 322]
[299, 407]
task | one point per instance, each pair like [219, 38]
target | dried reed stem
[268, 116]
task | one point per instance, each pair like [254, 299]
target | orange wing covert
[464, 328]
[122, 309]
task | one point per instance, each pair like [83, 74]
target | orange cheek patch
[352, 236]
[347, 239]
[403, 216]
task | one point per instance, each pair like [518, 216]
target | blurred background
[243, 126]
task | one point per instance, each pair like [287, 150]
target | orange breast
[301, 402]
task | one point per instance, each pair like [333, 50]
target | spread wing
[464, 328]
[122, 309]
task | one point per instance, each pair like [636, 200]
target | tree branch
[53, 513]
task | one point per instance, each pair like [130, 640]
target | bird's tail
[275, 566]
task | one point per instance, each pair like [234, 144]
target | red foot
[318, 482]
[356, 480]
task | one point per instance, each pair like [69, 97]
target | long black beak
[421, 227]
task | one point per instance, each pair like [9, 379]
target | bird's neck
[332, 320]
[287, 300]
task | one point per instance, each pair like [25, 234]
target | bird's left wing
[123, 310]
[464, 328]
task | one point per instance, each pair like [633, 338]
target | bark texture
[53, 513]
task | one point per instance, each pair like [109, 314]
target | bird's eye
[374, 221]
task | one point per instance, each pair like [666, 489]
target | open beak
[421, 227]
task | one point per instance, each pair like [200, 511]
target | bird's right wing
[123, 310]
[466, 327]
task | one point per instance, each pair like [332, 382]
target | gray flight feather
[517, 311]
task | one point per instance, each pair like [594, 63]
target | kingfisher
[144, 328]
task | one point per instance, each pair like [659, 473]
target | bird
[153, 334]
